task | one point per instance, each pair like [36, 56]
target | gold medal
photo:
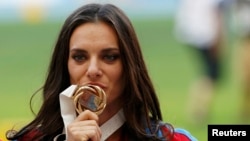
[90, 97]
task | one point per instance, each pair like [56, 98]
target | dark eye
[79, 57]
[111, 57]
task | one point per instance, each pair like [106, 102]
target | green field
[25, 51]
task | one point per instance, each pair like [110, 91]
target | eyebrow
[103, 50]
[110, 49]
[77, 50]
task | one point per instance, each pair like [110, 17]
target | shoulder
[183, 135]
[177, 134]
[29, 136]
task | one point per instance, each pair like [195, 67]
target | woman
[97, 45]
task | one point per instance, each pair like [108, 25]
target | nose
[94, 71]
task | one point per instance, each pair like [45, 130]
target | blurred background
[28, 30]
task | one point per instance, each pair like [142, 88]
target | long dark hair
[141, 106]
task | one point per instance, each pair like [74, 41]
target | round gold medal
[89, 97]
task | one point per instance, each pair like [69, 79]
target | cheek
[115, 93]
[118, 81]
[74, 73]
[116, 75]
[71, 72]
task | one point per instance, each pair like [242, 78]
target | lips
[97, 84]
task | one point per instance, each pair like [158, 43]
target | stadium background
[29, 28]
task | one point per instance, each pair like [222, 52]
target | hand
[85, 127]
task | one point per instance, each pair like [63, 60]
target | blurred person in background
[241, 19]
[199, 25]
[98, 46]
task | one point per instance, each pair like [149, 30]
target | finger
[86, 132]
[87, 115]
[91, 134]
[85, 127]
[78, 125]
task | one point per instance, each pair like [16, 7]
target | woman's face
[94, 58]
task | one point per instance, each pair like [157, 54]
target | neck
[109, 112]
[119, 135]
